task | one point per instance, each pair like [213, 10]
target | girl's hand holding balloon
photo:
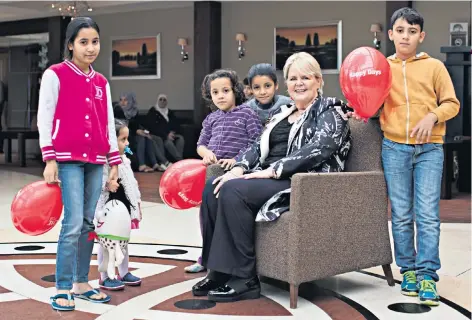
[353, 114]
[51, 173]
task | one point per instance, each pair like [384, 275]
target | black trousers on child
[229, 223]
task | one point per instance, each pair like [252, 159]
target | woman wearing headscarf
[164, 128]
[139, 139]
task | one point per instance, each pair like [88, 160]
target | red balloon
[365, 80]
[36, 208]
[182, 184]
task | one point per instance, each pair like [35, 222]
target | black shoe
[236, 290]
[204, 286]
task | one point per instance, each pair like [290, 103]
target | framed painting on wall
[322, 40]
[136, 58]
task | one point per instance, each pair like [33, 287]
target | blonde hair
[305, 63]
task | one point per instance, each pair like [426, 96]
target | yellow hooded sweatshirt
[420, 85]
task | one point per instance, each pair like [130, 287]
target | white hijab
[162, 110]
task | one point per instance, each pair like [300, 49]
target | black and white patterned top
[319, 141]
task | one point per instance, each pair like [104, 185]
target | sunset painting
[320, 41]
[135, 58]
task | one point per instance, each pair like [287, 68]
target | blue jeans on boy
[81, 185]
[413, 175]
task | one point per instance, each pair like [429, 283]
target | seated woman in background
[164, 128]
[310, 135]
[263, 83]
[139, 139]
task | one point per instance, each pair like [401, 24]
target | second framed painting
[136, 58]
[322, 40]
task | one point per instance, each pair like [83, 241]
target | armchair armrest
[214, 170]
[338, 223]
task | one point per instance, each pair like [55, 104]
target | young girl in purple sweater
[229, 130]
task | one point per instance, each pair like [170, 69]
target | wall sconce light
[376, 28]
[240, 38]
[182, 42]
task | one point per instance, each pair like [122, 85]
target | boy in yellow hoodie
[413, 117]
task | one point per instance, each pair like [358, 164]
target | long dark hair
[72, 31]
[236, 86]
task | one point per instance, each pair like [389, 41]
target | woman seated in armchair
[310, 135]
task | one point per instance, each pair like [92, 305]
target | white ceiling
[20, 10]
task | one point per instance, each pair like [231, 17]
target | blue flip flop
[87, 296]
[57, 306]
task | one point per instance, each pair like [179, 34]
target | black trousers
[229, 223]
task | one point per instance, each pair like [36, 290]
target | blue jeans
[81, 185]
[413, 175]
[148, 149]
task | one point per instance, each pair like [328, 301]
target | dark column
[207, 50]
[458, 129]
[57, 33]
[391, 7]
[10, 28]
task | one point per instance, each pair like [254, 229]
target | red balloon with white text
[182, 184]
[365, 80]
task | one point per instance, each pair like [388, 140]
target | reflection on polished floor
[169, 240]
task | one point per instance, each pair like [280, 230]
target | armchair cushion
[365, 153]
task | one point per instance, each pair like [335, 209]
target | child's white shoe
[195, 268]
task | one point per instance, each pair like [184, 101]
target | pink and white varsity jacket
[75, 116]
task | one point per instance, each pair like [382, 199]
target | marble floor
[169, 240]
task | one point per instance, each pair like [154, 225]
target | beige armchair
[337, 222]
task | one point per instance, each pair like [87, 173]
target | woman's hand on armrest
[235, 173]
[238, 171]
